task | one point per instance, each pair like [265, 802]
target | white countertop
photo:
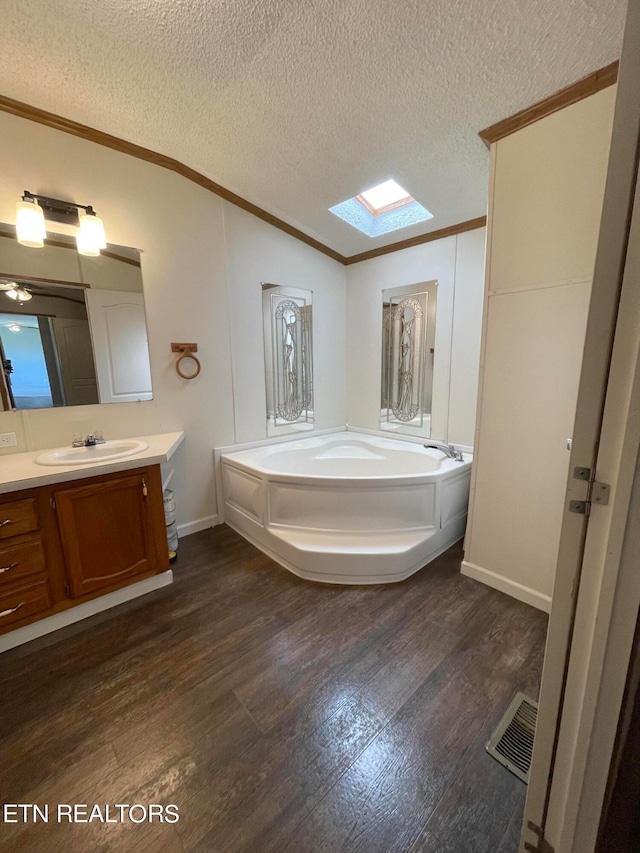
[21, 471]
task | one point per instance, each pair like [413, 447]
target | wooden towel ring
[186, 351]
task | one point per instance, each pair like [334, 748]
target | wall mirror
[287, 323]
[72, 328]
[408, 351]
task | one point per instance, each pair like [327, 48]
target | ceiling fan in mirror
[15, 291]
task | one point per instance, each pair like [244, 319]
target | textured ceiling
[297, 105]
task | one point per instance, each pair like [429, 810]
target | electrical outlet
[8, 439]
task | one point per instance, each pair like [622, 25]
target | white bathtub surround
[346, 508]
[457, 264]
[413, 439]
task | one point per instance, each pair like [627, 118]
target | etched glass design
[288, 358]
[405, 364]
[408, 336]
[293, 392]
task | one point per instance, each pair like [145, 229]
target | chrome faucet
[90, 441]
[449, 449]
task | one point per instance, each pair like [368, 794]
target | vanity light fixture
[32, 211]
[91, 237]
[30, 227]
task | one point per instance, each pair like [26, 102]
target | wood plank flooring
[277, 714]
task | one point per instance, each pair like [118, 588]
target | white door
[121, 350]
[75, 357]
[573, 740]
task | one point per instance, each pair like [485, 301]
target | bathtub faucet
[449, 449]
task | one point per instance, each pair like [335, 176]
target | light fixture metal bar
[56, 209]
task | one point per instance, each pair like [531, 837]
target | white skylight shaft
[390, 192]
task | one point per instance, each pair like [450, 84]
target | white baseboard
[83, 611]
[197, 525]
[512, 588]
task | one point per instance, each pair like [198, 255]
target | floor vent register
[512, 742]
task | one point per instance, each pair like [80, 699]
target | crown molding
[83, 131]
[449, 231]
[589, 85]
[17, 108]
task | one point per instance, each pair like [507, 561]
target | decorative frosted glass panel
[408, 334]
[287, 317]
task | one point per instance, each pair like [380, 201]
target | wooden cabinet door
[107, 530]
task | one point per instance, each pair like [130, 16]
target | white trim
[493, 156]
[83, 611]
[609, 592]
[189, 527]
[510, 587]
[570, 757]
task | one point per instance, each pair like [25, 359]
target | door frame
[587, 651]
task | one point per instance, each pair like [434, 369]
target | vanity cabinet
[63, 544]
[26, 586]
[106, 530]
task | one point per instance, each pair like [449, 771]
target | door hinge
[541, 845]
[67, 589]
[52, 503]
[597, 493]
[144, 487]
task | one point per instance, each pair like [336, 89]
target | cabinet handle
[13, 609]
[7, 568]
[5, 522]
[144, 487]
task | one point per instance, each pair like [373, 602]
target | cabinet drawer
[18, 517]
[19, 602]
[20, 560]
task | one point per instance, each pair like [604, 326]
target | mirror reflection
[408, 348]
[72, 328]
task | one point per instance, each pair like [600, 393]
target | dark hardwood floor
[279, 715]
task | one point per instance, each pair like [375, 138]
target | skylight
[382, 209]
[384, 197]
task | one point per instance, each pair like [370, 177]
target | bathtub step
[339, 542]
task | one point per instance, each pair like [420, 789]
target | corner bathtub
[346, 507]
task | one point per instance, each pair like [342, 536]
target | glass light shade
[13, 294]
[91, 237]
[30, 228]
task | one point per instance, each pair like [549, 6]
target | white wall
[183, 232]
[457, 263]
[202, 264]
[547, 186]
[257, 252]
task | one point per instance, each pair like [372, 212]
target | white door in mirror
[116, 449]
[119, 332]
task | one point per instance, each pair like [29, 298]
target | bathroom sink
[116, 449]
